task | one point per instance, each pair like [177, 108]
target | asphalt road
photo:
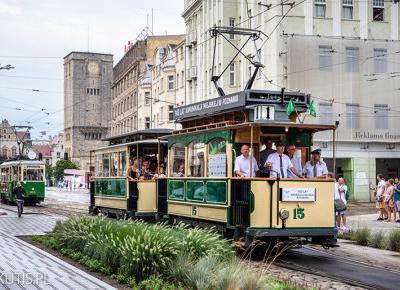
[345, 270]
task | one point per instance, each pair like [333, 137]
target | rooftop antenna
[253, 34]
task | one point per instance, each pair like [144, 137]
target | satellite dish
[31, 155]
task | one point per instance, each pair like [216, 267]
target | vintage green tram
[201, 188]
[30, 173]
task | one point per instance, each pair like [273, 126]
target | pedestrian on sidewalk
[340, 194]
[380, 202]
[396, 197]
[19, 193]
[389, 201]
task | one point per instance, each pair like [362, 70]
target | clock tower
[87, 103]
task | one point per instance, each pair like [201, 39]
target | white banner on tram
[298, 194]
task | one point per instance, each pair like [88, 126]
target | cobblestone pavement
[23, 266]
[369, 221]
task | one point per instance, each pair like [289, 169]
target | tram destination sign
[211, 106]
[298, 194]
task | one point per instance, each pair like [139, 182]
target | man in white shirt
[379, 196]
[280, 163]
[291, 149]
[315, 168]
[340, 193]
[242, 163]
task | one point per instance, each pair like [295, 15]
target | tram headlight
[284, 214]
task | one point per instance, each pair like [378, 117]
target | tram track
[349, 271]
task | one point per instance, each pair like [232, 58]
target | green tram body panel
[198, 190]
[33, 190]
[110, 187]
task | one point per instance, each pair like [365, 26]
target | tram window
[114, 164]
[196, 159]
[14, 173]
[177, 160]
[99, 165]
[217, 158]
[32, 174]
[122, 159]
[106, 165]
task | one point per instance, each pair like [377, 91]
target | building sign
[210, 106]
[298, 194]
[217, 165]
[365, 135]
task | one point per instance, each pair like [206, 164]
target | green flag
[290, 108]
[312, 109]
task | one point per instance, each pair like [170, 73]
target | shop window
[217, 158]
[196, 159]
[177, 160]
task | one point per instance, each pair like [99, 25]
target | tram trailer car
[201, 188]
[30, 173]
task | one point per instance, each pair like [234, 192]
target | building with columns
[346, 54]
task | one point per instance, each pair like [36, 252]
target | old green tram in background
[201, 188]
[30, 173]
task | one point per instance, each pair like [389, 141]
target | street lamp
[7, 67]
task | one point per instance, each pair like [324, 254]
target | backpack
[347, 194]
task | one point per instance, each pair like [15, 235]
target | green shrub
[156, 283]
[179, 268]
[377, 240]
[202, 276]
[393, 240]
[362, 236]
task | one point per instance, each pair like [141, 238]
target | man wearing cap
[243, 164]
[315, 168]
[291, 149]
[264, 172]
[279, 163]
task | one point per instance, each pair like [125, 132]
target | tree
[58, 170]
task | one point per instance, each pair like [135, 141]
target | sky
[36, 35]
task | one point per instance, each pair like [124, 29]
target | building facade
[132, 94]
[8, 141]
[344, 53]
[87, 103]
[57, 148]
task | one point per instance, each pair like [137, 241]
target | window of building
[320, 8]
[91, 91]
[380, 61]
[171, 82]
[58, 155]
[147, 123]
[147, 98]
[170, 113]
[352, 57]
[325, 114]
[353, 116]
[196, 159]
[14, 151]
[378, 10]
[232, 74]
[347, 9]
[381, 116]
[325, 58]
[162, 84]
[232, 24]
[87, 90]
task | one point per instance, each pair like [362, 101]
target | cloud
[10, 9]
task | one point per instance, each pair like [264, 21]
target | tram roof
[22, 162]
[312, 128]
[148, 141]
[140, 134]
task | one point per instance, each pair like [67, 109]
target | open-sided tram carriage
[30, 173]
[201, 188]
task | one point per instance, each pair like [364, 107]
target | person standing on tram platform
[242, 163]
[291, 149]
[279, 163]
[315, 168]
[264, 172]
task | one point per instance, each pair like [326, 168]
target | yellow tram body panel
[317, 213]
[111, 202]
[147, 201]
[217, 213]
